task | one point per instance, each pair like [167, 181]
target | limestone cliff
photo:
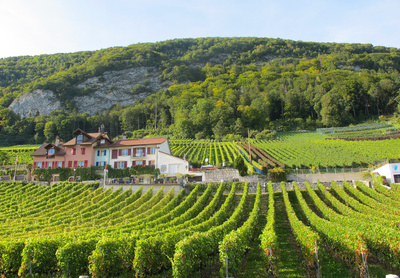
[97, 93]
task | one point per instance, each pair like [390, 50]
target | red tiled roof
[139, 142]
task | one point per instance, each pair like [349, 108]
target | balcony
[139, 155]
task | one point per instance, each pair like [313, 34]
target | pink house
[77, 152]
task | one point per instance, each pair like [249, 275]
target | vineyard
[72, 229]
[289, 150]
[23, 152]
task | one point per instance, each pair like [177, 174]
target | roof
[42, 151]
[91, 136]
[139, 142]
[173, 155]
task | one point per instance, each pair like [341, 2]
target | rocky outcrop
[97, 93]
[36, 102]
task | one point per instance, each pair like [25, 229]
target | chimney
[124, 136]
[57, 140]
[102, 128]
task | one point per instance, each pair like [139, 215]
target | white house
[148, 151]
[390, 171]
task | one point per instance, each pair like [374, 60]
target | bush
[240, 165]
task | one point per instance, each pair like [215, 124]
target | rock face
[98, 93]
[37, 101]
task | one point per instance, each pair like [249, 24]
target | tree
[219, 130]
[240, 165]
[50, 130]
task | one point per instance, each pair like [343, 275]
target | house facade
[97, 149]
[391, 171]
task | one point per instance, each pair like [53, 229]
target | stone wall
[313, 178]
[229, 175]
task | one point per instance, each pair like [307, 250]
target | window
[140, 180]
[120, 164]
[139, 152]
[125, 152]
[50, 151]
[396, 178]
[100, 163]
[152, 162]
[101, 153]
[139, 162]
[79, 139]
[81, 163]
[60, 164]
[83, 150]
[39, 165]
[102, 141]
[73, 151]
[152, 150]
[50, 164]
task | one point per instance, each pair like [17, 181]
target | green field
[290, 150]
[72, 229]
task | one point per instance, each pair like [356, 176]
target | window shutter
[45, 164]
[144, 162]
[75, 164]
[134, 163]
[83, 151]
[63, 164]
[105, 152]
[129, 152]
[134, 152]
[148, 150]
[34, 165]
[86, 163]
[98, 153]
[120, 152]
[114, 154]
[144, 151]
[115, 165]
[69, 164]
[97, 163]
[125, 164]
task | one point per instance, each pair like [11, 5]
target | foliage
[45, 174]
[240, 166]
[135, 170]
[221, 87]
[65, 229]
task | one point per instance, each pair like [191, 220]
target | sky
[33, 27]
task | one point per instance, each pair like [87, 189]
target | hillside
[74, 229]
[203, 88]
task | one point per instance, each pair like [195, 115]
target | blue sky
[31, 27]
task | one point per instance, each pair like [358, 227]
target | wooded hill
[221, 87]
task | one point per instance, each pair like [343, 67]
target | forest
[221, 88]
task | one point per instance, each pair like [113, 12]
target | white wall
[389, 170]
[171, 165]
